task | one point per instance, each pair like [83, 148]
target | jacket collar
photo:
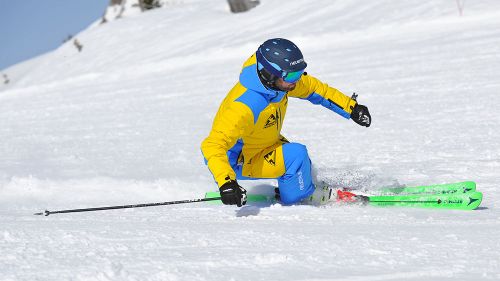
[250, 80]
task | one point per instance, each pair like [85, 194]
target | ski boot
[320, 196]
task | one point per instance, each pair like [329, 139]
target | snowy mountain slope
[121, 123]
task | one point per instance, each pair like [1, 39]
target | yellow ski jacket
[251, 116]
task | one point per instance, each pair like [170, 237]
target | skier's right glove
[233, 194]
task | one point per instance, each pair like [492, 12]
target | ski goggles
[292, 77]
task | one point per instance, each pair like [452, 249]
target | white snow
[122, 122]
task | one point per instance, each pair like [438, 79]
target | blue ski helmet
[279, 58]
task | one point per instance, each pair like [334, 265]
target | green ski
[448, 188]
[459, 196]
[460, 201]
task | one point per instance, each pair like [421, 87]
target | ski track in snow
[121, 123]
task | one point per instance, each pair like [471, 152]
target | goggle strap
[267, 65]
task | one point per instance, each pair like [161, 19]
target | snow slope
[122, 121]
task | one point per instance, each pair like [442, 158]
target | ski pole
[47, 212]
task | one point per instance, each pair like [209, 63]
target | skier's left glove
[360, 115]
[232, 193]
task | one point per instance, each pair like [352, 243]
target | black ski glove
[360, 115]
[233, 194]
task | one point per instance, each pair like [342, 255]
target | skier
[245, 140]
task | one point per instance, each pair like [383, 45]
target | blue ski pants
[289, 163]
